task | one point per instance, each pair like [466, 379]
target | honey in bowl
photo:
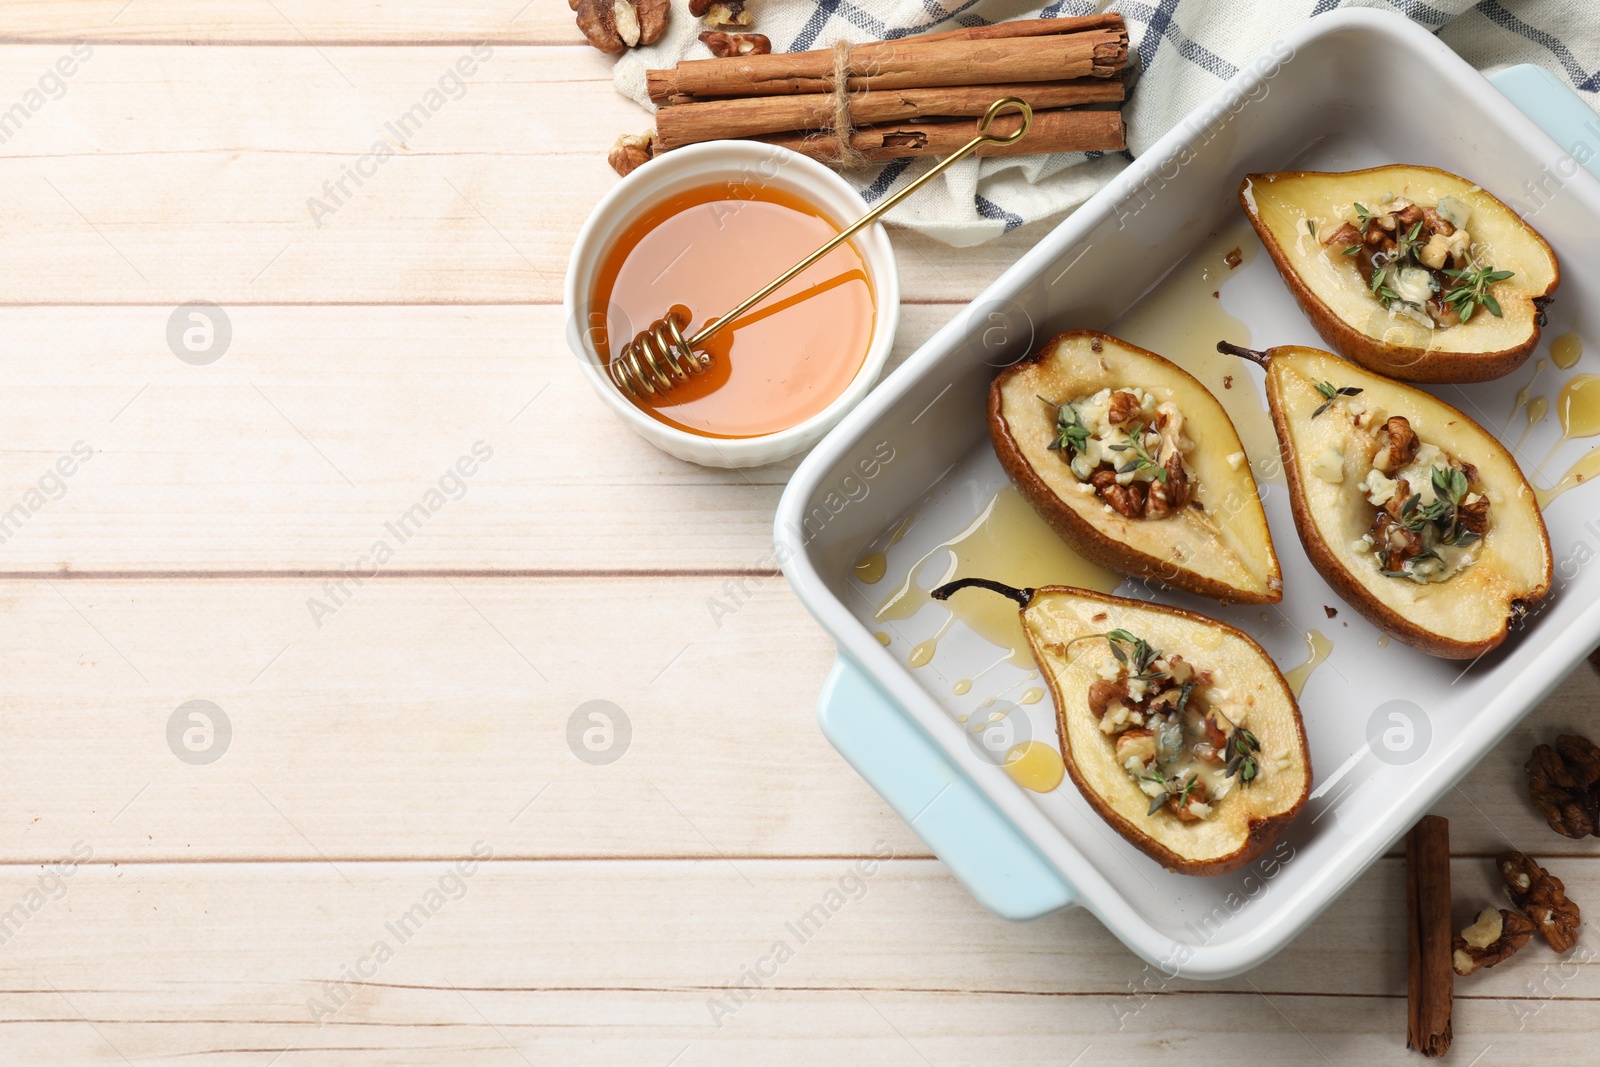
[701, 253]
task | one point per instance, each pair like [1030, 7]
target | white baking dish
[1351, 89]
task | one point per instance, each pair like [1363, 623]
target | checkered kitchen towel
[1185, 48]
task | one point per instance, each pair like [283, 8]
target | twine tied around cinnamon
[843, 129]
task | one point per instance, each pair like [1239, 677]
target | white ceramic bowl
[702, 164]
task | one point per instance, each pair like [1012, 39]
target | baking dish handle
[979, 845]
[1554, 108]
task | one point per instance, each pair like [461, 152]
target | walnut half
[721, 14]
[1402, 446]
[1167, 496]
[614, 26]
[1493, 938]
[1125, 500]
[1543, 898]
[723, 45]
[632, 151]
[1564, 783]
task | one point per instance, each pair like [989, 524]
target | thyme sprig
[1134, 653]
[1141, 455]
[1450, 485]
[1160, 799]
[1171, 789]
[1414, 515]
[1240, 753]
[1386, 293]
[1330, 392]
[1409, 570]
[1071, 433]
[1407, 245]
[1472, 290]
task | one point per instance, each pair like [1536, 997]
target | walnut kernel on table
[1543, 898]
[1564, 783]
[1490, 940]
[632, 151]
[614, 26]
[721, 14]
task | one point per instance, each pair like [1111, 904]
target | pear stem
[1022, 596]
[1239, 350]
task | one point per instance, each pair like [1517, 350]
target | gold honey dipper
[659, 358]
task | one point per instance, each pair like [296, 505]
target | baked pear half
[1410, 271]
[1177, 729]
[1135, 465]
[1414, 513]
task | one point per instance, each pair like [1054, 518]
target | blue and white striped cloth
[1186, 49]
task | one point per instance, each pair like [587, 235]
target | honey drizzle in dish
[1182, 318]
[1035, 765]
[1008, 543]
[1318, 648]
[1579, 409]
[1566, 350]
[1522, 399]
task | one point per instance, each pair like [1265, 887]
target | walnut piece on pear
[1542, 898]
[1493, 938]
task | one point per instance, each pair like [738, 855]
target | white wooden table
[156, 908]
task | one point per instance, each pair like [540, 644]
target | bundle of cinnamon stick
[915, 97]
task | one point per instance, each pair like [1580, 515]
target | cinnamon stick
[1053, 131]
[906, 64]
[684, 124]
[1430, 979]
[1110, 20]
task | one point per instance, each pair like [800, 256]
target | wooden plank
[424, 713]
[785, 1028]
[226, 185]
[413, 716]
[592, 963]
[290, 22]
[318, 426]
